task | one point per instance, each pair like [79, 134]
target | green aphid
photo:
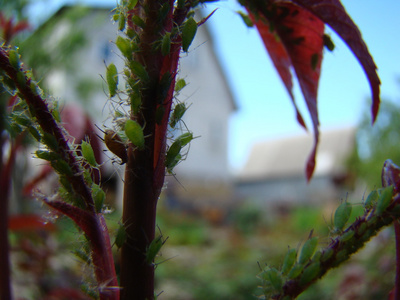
[138, 21]
[160, 114]
[134, 132]
[22, 119]
[173, 155]
[163, 12]
[327, 254]
[371, 200]
[14, 59]
[56, 112]
[274, 277]
[121, 21]
[120, 236]
[153, 249]
[328, 43]
[50, 141]
[112, 79]
[295, 271]
[185, 138]
[62, 167]
[132, 4]
[99, 196]
[289, 261]
[166, 44]
[342, 215]
[346, 236]
[138, 70]
[362, 228]
[88, 154]
[310, 273]
[47, 155]
[188, 33]
[177, 114]
[136, 102]
[308, 250]
[34, 88]
[246, 19]
[180, 84]
[21, 79]
[163, 87]
[385, 198]
[124, 45]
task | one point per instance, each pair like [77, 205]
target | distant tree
[374, 144]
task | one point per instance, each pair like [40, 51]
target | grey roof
[287, 157]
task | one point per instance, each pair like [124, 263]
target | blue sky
[265, 110]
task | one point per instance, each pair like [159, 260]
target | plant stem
[139, 212]
[397, 280]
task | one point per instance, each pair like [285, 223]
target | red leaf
[280, 59]
[300, 45]
[29, 223]
[333, 14]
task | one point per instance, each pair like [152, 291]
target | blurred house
[204, 176]
[275, 170]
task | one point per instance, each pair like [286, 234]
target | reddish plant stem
[5, 182]
[397, 280]
[99, 239]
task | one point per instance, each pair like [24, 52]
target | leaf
[280, 59]
[301, 36]
[333, 14]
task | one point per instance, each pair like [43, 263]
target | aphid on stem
[115, 144]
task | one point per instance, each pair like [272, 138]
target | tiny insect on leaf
[134, 132]
[188, 33]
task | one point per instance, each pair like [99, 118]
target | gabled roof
[287, 157]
